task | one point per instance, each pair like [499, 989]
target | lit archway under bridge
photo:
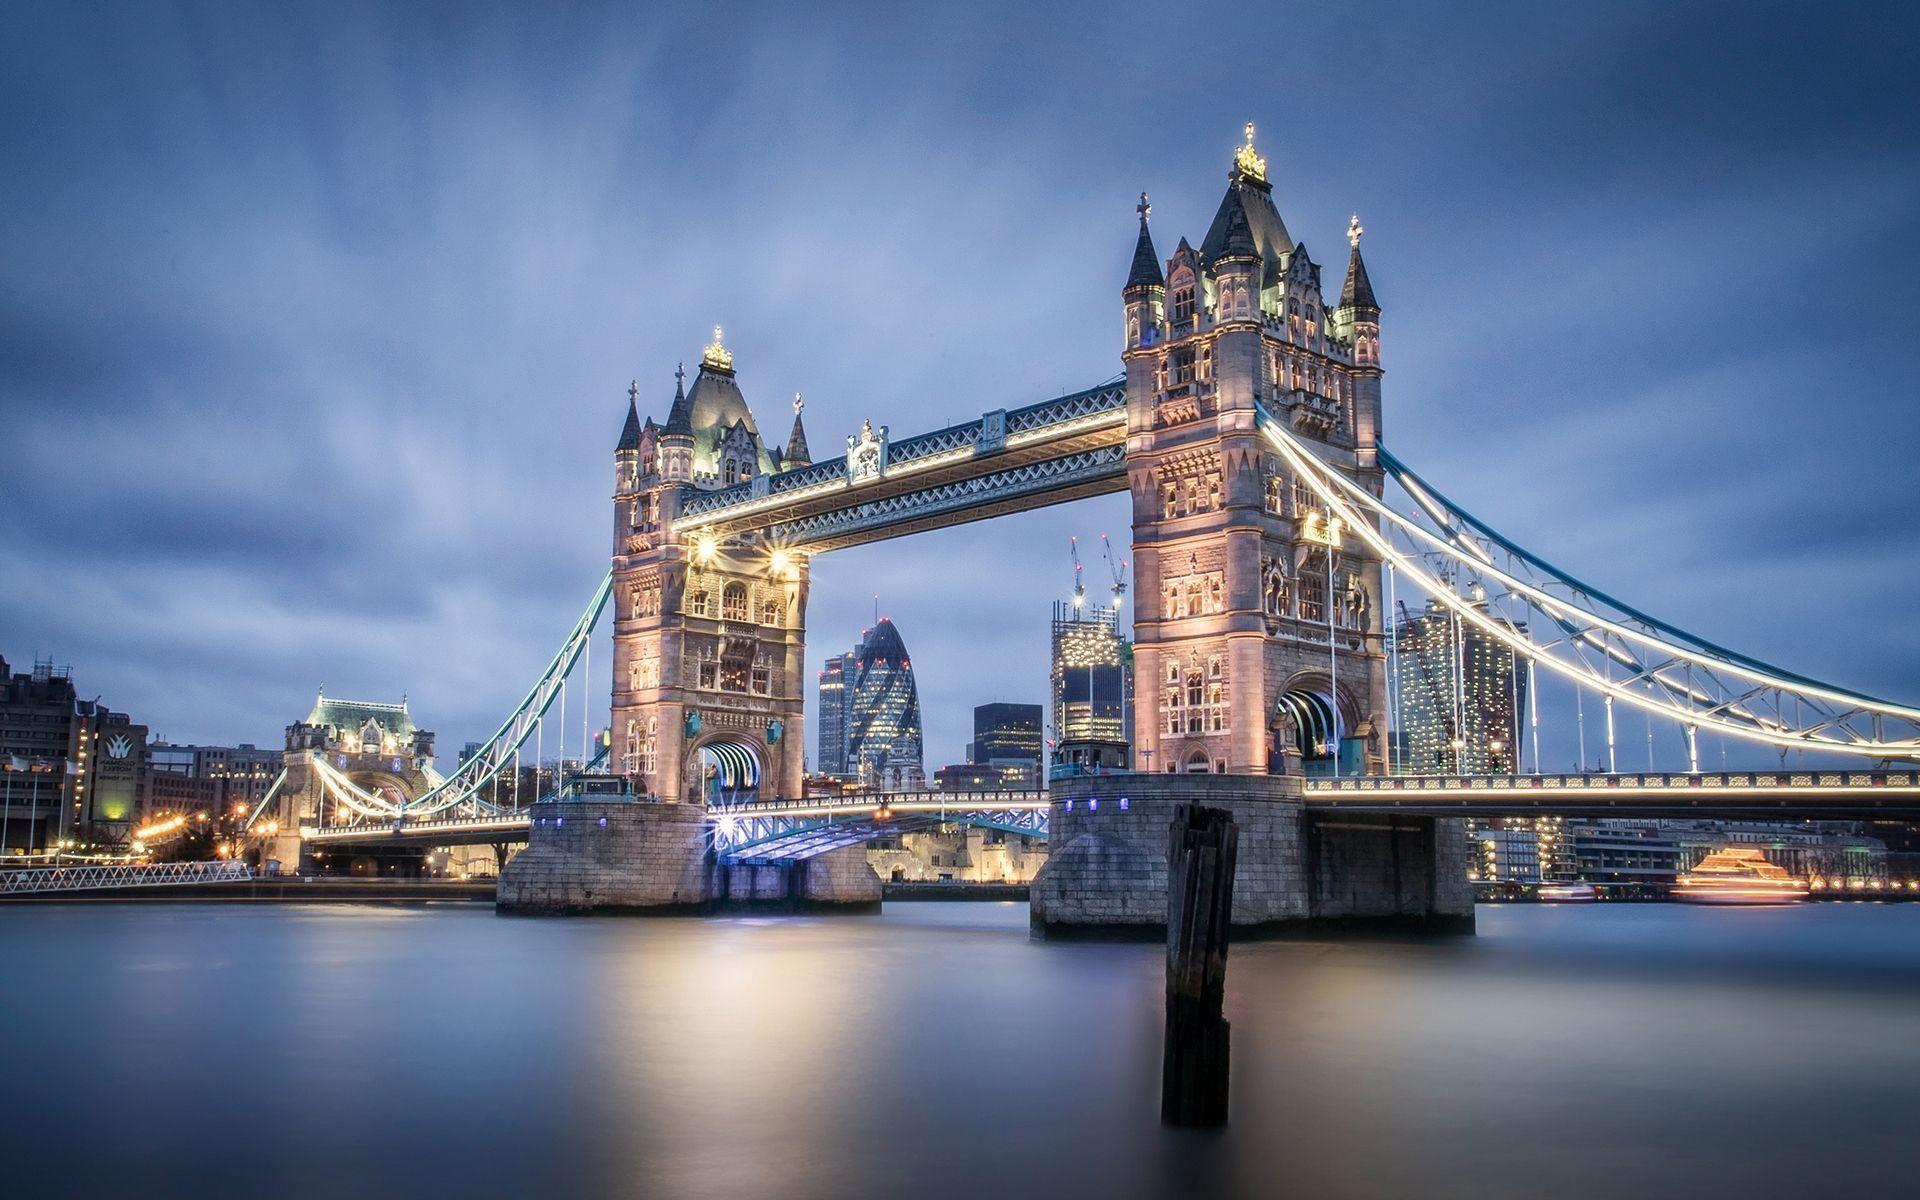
[729, 769]
[1317, 727]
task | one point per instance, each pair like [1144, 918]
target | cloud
[316, 324]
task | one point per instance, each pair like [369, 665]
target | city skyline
[297, 356]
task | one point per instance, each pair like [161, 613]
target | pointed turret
[676, 436]
[1146, 263]
[680, 416]
[796, 454]
[1146, 291]
[1238, 241]
[630, 432]
[1357, 294]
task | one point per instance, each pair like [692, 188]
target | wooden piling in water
[1202, 851]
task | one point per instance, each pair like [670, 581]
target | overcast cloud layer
[316, 322]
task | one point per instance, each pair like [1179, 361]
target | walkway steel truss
[1007, 461]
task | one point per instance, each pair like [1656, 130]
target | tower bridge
[1274, 536]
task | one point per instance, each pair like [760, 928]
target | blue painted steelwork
[810, 838]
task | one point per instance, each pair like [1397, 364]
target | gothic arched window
[733, 602]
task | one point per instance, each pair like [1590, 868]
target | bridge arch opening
[1321, 723]
[729, 770]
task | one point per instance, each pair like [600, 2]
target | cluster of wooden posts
[1201, 854]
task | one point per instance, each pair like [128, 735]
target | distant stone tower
[1257, 622]
[708, 638]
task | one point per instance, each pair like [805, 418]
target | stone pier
[1106, 874]
[643, 857]
[837, 881]
[610, 856]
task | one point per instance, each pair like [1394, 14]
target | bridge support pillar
[1106, 871]
[587, 856]
[840, 879]
[837, 881]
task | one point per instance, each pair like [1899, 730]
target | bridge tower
[708, 636]
[1255, 619]
[373, 746]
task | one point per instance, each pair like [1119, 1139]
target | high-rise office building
[1092, 678]
[1005, 731]
[883, 713]
[833, 677]
[1460, 693]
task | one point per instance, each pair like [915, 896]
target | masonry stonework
[609, 856]
[1107, 870]
[626, 856]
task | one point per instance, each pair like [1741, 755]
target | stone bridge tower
[708, 680]
[375, 746]
[1255, 619]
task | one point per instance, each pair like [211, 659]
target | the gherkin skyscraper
[883, 713]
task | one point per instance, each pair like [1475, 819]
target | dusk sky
[317, 322]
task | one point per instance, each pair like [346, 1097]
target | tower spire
[630, 432]
[1357, 293]
[797, 454]
[1146, 263]
[716, 355]
[680, 416]
[1247, 161]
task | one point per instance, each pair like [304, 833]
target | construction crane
[1079, 584]
[1117, 567]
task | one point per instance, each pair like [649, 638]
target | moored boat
[1566, 892]
[1738, 875]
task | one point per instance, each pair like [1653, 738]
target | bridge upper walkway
[1009, 460]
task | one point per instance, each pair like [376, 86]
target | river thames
[934, 1050]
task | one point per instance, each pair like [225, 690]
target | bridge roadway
[1777, 795]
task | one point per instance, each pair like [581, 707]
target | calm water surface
[1645, 1050]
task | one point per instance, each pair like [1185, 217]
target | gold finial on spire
[1143, 208]
[1354, 230]
[798, 404]
[633, 391]
[716, 354]
[1247, 162]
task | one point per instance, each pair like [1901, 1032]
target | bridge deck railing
[91, 876]
[1642, 782]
